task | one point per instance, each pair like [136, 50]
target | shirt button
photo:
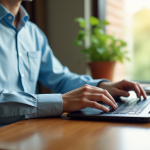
[22, 75]
[20, 54]
[10, 17]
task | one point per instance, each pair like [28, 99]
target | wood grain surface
[66, 134]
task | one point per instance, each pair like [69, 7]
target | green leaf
[80, 37]
[98, 31]
[105, 23]
[94, 40]
[103, 47]
[81, 21]
[77, 43]
[125, 52]
[127, 58]
[124, 44]
[84, 51]
[100, 50]
[94, 21]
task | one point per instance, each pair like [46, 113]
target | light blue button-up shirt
[25, 58]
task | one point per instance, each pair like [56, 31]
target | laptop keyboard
[133, 106]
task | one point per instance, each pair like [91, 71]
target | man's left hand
[122, 88]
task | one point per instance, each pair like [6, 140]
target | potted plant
[104, 50]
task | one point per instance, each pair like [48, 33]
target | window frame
[99, 9]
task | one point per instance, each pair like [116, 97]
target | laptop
[129, 109]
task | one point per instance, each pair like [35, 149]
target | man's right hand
[86, 96]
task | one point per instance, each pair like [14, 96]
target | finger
[120, 92]
[103, 98]
[143, 93]
[135, 87]
[106, 93]
[137, 90]
[132, 86]
[96, 105]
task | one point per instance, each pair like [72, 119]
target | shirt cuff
[95, 82]
[49, 105]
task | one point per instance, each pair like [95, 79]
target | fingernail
[114, 106]
[127, 94]
[106, 109]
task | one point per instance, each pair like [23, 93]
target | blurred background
[129, 19]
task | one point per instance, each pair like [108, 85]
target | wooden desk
[66, 134]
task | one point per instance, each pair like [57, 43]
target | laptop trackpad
[89, 111]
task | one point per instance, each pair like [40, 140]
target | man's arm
[20, 105]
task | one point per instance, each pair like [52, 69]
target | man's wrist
[102, 83]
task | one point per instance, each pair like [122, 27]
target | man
[25, 58]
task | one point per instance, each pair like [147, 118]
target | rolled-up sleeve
[15, 106]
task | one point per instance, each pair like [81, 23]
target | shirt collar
[23, 14]
[3, 12]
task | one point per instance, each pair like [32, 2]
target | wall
[62, 31]
[115, 15]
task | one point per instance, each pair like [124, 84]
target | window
[130, 20]
[137, 32]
